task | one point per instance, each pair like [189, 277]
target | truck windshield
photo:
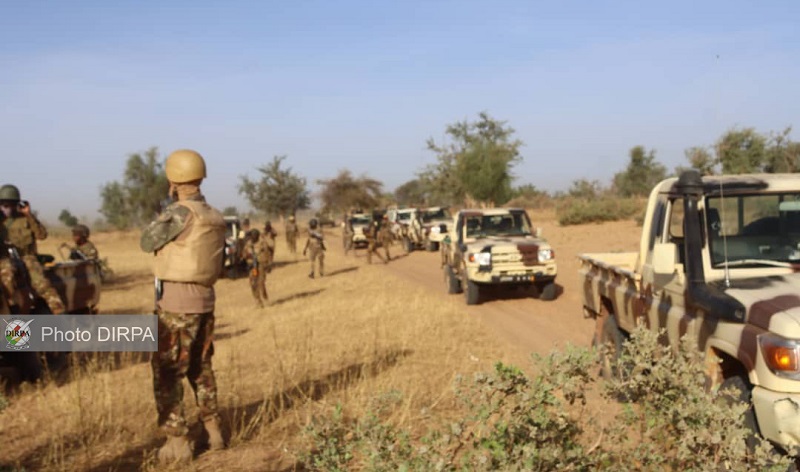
[757, 229]
[403, 216]
[359, 221]
[430, 215]
[509, 224]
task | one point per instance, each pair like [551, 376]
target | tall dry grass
[354, 335]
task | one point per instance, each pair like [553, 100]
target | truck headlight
[482, 258]
[435, 229]
[781, 355]
[546, 255]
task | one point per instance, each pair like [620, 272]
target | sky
[361, 85]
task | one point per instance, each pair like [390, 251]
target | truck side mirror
[665, 258]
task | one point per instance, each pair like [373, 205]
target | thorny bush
[667, 420]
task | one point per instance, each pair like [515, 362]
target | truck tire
[611, 337]
[453, 284]
[432, 246]
[472, 293]
[740, 390]
[548, 292]
[409, 245]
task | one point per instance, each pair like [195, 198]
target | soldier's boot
[176, 449]
[215, 441]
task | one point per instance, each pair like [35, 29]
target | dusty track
[524, 322]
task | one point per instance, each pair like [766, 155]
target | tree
[585, 189]
[139, 197]
[345, 192]
[741, 151]
[410, 193]
[641, 175]
[476, 164]
[701, 159]
[67, 218]
[782, 154]
[278, 191]
[230, 211]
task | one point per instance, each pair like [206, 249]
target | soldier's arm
[39, 231]
[169, 224]
[90, 251]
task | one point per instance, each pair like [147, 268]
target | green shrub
[607, 208]
[668, 421]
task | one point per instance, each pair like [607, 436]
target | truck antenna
[722, 205]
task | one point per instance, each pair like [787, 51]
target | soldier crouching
[188, 240]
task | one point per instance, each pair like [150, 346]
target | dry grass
[346, 338]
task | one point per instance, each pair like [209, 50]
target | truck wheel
[548, 292]
[409, 245]
[433, 246]
[612, 338]
[453, 284]
[739, 391]
[472, 293]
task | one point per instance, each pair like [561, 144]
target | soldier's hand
[25, 208]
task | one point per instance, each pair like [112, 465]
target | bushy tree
[782, 154]
[230, 211]
[585, 189]
[278, 191]
[345, 192]
[139, 197]
[641, 175]
[476, 163]
[410, 193]
[67, 218]
[741, 151]
[700, 158]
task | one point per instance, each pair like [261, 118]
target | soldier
[291, 236]
[385, 236]
[22, 230]
[316, 245]
[257, 253]
[269, 236]
[188, 240]
[83, 249]
[372, 235]
[347, 234]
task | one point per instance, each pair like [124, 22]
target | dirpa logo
[18, 334]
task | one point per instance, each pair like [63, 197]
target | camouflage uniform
[385, 238]
[347, 235]
[258, 253]
[185, 344]
[7, 281]
[22, 233]
[372, 234]
[315, 246]
[86, 250]
[291, 236]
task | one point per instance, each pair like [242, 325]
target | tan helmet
[185, 165]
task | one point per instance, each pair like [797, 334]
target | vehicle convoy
[78, 285]
[497, 247]
[406, 228]
[435, 225]
[719, 259]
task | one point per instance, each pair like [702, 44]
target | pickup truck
[434, 225]
[78, 284]
[718, 260]
[360, 222]
[496, 247]
[406, 227]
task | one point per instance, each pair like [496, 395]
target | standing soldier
[385, 236]
[269, 236]
[291, 236]
[257, 255]
[347, 233]
[83, 249]
[188, 240]
[315, 245]
[372, 233]
[22, 230]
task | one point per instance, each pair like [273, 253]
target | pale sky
[362, 84]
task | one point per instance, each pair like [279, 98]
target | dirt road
[527, 323]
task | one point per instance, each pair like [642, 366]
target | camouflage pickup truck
[719, 260]
[496, 247]
[77, 283]
[435, 221]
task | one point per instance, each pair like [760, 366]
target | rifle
[319, 238]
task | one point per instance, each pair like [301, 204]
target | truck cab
[496, 247]
[719, 260]
[434, 222]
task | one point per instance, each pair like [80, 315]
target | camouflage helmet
[185, 165]
[313, 223]
[9, 192]
[254, 233]
[80, 230]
